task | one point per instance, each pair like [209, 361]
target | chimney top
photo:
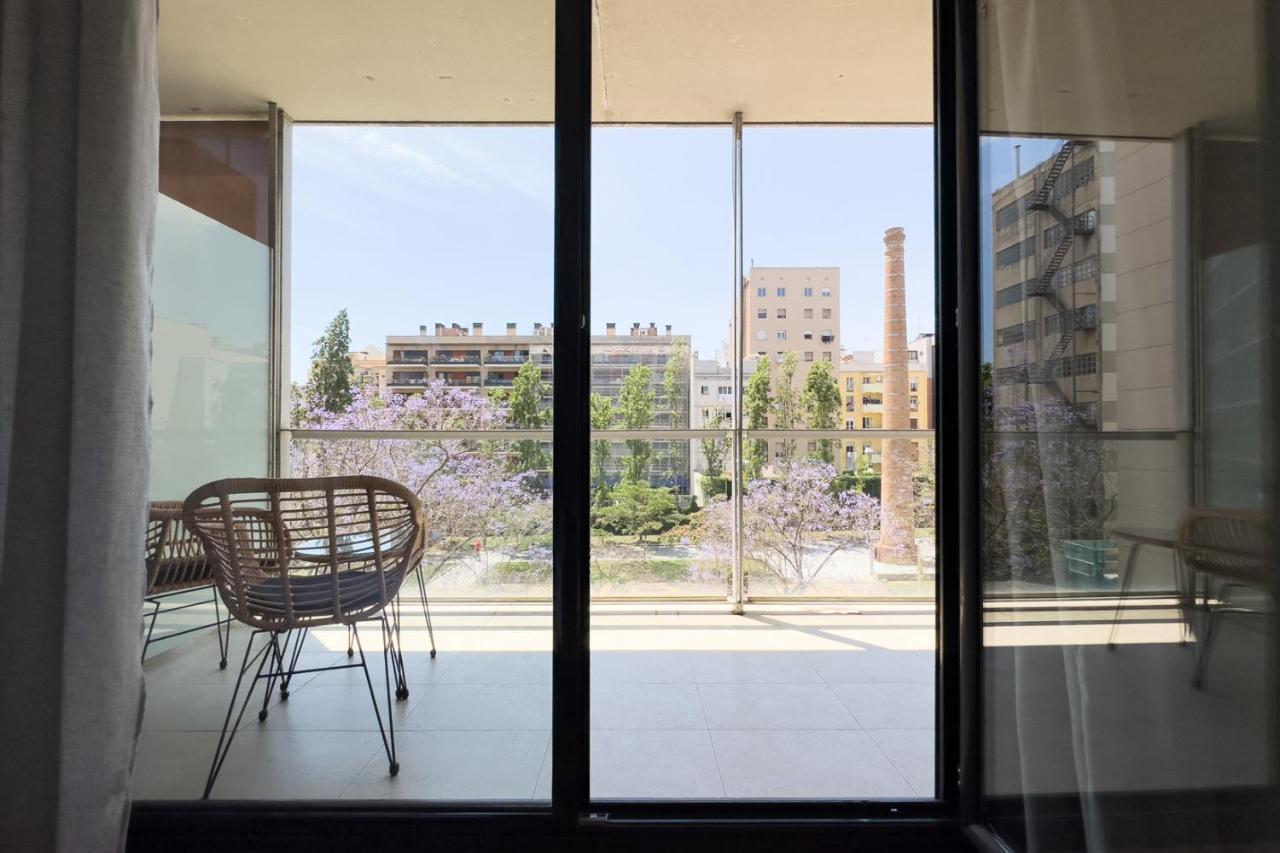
[668, 330]
[894, 235]
[511, 328]
[422, 330]
[439, 328]
[477, 329]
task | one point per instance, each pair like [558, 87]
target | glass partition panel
[747, 642]
[1128, 569]
[211, 296]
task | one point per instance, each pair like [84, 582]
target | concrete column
[897, 545]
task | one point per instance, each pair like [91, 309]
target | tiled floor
[687, 702]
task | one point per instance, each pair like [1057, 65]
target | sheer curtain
[79, 118]
[1126, 339]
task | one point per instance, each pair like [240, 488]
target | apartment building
[1047, 274]
[862, 397]
[462, 356]
[793, 309]
[369, 366]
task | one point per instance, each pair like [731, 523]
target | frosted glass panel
[209, 365]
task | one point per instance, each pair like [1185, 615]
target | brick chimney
[439, 329]
[422, 330]
[668, 330]
[653, 330]
[477, 329]
[611, 329]
[897, 545]
[511, 330]
[635, 330]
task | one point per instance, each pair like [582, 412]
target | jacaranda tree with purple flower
[794, 523]
[468, 491]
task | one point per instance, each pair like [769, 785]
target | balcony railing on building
[455, 358]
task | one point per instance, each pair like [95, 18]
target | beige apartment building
[369, 367]
[793, 309]
[862, 395]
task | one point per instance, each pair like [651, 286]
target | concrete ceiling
[493, 60]
[1126, 68]
[1084, 67]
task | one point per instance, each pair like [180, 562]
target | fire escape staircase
[1046, 372]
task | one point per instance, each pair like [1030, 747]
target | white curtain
[79, 123]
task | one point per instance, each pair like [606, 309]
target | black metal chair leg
[151, 626]
[224, 637]
[225, 739]
[350, 635]
[426, 608]
[293, 663]
[388, 731]
[275, 670]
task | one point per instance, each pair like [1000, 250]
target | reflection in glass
[1129, 574]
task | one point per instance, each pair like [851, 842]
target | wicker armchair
[175, 564]
[290, 555]
[1229, 549]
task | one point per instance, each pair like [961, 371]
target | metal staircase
[1046, 372]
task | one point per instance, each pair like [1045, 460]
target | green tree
[635, 411]
[602, 415]
[755, 409]
[638, 509]
[525, 411]
[675, 384]
[786, 403]
[675, 387]
[820, 403]
[329, 385]
[714, 450]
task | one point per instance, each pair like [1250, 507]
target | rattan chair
[1229, 549]
[175, 564]
[291, 555]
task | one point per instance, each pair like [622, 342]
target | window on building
[913, 385]
[782, 291]
[808, 335]
[808, 291]
[781, 355]
[1011, 295]
[828, 336]
[782, 334]
[913, 355]
[760, 291]
[782, 313]
[866, 423]
[826, 291]
[762, 313]
[826, 313]
[808, 313]
[725, 389]
[848, 383]
[913, 404]
[915, 424]
[848, 425]
[704, 390]
[808, 356]
[826, 356]
[762, 335]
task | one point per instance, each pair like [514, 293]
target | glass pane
[819, 684]
[418, 350]
[211, 297]
[1128, 569]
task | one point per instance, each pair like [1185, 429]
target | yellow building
[862, 397]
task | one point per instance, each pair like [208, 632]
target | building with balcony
[462, 356]
[861, 380]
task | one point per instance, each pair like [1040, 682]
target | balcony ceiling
[1099, 68]
[492, 60]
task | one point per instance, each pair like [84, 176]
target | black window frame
[919, 824]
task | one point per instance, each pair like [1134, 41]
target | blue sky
[405, 226]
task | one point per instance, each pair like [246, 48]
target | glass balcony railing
[662, 516]
[506, 358]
